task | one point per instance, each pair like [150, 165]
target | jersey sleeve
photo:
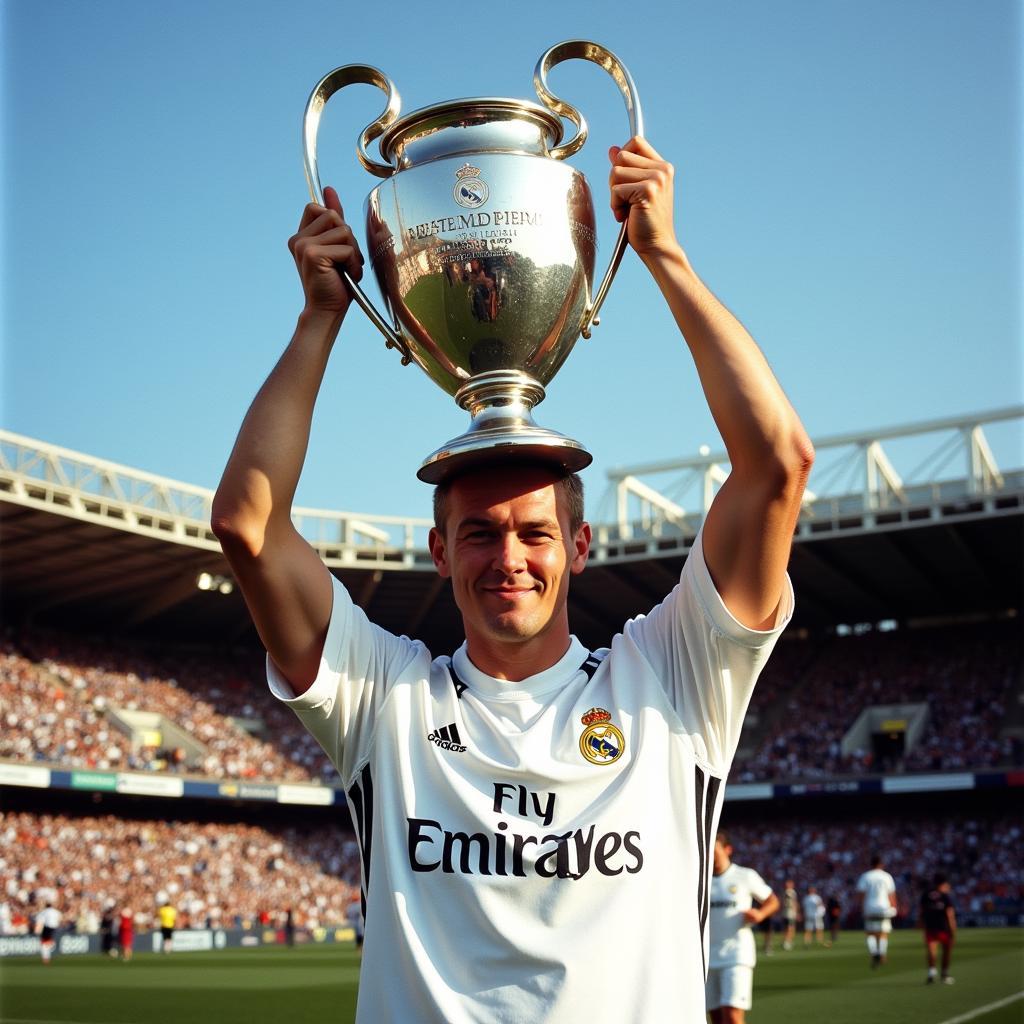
[358, 664]
[706, 659]
[862, 884]
[759, 888]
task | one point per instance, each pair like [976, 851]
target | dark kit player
[938, 919]
[535, 819]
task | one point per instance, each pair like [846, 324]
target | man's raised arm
[285, 584]
[749, 528]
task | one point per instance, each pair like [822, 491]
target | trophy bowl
[483, 243]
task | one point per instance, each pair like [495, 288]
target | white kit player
[526, 803]
[879, 909]
[734, 891]
[814, 916]
[47, 923]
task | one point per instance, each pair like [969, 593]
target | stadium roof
[90, 544]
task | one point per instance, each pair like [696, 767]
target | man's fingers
[314, 211]
[621, 175]
[630, 193]
[341, 235]
[624, 158]
[332, 201]
[310, 213]
[327, 222]
[344, 257]
[640, 146]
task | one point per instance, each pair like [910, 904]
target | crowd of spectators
[60, 694]
[966, 676]
[236, 875]
[216, 875]
[980, 855]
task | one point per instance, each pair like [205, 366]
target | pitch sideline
[987, 1008]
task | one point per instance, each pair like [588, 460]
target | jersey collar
[539, 685]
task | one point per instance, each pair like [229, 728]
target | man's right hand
[323, 245]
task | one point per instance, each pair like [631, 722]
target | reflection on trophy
[483, 243]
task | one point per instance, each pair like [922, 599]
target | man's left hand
[642, 192]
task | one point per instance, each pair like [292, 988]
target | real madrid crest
[470, 190]
[601, 742]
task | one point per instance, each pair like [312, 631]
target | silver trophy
[483, 243]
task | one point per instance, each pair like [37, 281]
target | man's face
[509, 551]
[722, 855]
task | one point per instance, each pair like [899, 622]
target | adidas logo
[448, 738]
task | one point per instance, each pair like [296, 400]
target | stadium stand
[237, 874]
[217, 874]
[977, 847]
[962, 676]
[64, 699]
[924, 683]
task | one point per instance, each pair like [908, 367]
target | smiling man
[536, 819]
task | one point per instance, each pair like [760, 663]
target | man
[107, 944]
[814, 917]
[126, 934]
[938, 919]
[522, 798]
[879, 909]
[730, 984]
[47, 922]
[168, 917]
[834, 914]
[790, 913]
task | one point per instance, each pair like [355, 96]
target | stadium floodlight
[212, 581]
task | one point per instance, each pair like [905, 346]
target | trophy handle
[585, 50]
[324, 89]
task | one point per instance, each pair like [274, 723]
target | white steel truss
[47, 477]
[853, 474]
[856, 485]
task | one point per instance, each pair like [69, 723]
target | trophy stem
[501, 405]
[500, 399]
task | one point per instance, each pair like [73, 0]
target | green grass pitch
[319, 983]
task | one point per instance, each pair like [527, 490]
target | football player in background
[790, 913]
[879, 892]
[814, 917]
[734, 890]
[938, 919]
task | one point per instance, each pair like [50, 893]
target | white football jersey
[48, 917]
[814, 907]
[537, 850]
[877, 885]
[732, 892]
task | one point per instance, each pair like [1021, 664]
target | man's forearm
[753, 415]
[259, 482]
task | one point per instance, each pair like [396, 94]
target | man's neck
[516, 661]
[725, 867]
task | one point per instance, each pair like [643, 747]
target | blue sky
[849, 181]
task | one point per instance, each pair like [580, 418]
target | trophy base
[502, 430]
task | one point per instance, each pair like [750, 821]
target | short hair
[876, 860]
[723, 837]
[939, 879]
[572, 488]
